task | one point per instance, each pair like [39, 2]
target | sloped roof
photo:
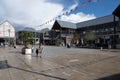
[65, 24]
[101, 20]
[5, 21]
[117, 11]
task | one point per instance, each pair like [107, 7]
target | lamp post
[35, 39]
[9, 36]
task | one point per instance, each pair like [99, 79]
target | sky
[33, 13]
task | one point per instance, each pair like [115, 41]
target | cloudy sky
[32, 13]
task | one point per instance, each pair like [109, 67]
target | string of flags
[57, 17]
[83, 4]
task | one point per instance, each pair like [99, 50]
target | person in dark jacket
[37, 51]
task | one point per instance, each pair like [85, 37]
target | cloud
[78, 17]
[32, 13]
[75, 18]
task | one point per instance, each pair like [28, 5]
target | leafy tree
[89, 36]
[76, 37]
[26, 38]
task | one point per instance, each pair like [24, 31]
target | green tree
[26, 38]
[76, 37]
[89, 36]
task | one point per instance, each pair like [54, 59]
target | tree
[76, 37]
[89, 36]
[26, 38]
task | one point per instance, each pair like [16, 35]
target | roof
[101, 20]
[65, 24]
[117, 11]
[5, 21]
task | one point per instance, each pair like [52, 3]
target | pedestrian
[32, 49]
[40, 49]
[37, 51]
[4, 44]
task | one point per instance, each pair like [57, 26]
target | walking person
[37, 51]
[32, 49]
[40, 49]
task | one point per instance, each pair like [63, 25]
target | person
[1, 44]
[32, 49]
[68, 45]
[14, 46]
[4, 44]
[37, 51]
[40, 49]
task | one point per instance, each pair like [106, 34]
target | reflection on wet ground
[59, 63]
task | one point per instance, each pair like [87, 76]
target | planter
[28, 51]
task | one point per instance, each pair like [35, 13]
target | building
[64, 31]
[7, 33]
[116, 13]
[35, 35]
[100, 32]
[103, 28]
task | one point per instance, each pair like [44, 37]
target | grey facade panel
[66, 24]
[101, 20]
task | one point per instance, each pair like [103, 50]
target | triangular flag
[95, 0]
[83, 4]
[59, 16]
[89, 0]
[66, 12]
[76, 7]
[71, 10]
[63, 14]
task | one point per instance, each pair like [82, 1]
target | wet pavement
[60, 63]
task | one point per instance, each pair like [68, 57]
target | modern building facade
[116, 13]
[64, 31]
[35, 35]
[103, 28]
[100, 32]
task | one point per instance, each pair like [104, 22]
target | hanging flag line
[83, 4]
[64, 13]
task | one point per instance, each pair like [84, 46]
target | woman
[40, 49]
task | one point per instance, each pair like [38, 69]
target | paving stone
[59, 63]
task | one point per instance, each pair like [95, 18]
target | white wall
[7, 30]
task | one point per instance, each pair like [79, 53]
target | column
[114, 35]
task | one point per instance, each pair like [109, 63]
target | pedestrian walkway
[59, 63]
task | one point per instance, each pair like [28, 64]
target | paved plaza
[60, 63]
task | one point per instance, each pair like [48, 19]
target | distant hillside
[21, 27]
[44, 30]
[18, 27]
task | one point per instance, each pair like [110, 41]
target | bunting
[89, 0]
[95, 0]
[83, 4]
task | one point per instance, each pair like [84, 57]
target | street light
[9, 36]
